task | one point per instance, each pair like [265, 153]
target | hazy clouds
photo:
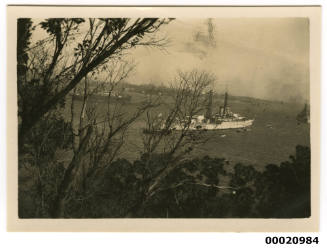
[260, 57]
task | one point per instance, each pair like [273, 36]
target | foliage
[194, 190]
[24, 28]
[40, 170]
[93, 183]
[47, 71]
[50, 69]
[202, 188]
[284, 191]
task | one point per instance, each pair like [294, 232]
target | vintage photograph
[163, 118]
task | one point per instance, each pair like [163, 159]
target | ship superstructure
[224, 119]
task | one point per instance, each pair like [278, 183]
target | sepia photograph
[165, 117]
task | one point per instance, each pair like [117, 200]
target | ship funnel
[225, 103]
[208, 114]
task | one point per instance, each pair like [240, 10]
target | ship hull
[223, 125]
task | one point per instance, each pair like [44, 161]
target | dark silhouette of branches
[59, 71]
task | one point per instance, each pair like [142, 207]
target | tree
[46, 74]
[42, 166]
[161, 138]
[98, 135]
[284, 191]
[195, 190]
[47, 79]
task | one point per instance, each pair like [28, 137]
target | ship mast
[208, 114]
[225, 103]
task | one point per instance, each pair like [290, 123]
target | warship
[224, 119]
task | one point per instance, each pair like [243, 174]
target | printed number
[315, 240]
[292, 240]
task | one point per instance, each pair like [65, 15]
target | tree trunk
[58, 206]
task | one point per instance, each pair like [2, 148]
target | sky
[264, 58]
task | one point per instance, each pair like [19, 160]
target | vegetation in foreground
[94, 182]
[197, 188]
